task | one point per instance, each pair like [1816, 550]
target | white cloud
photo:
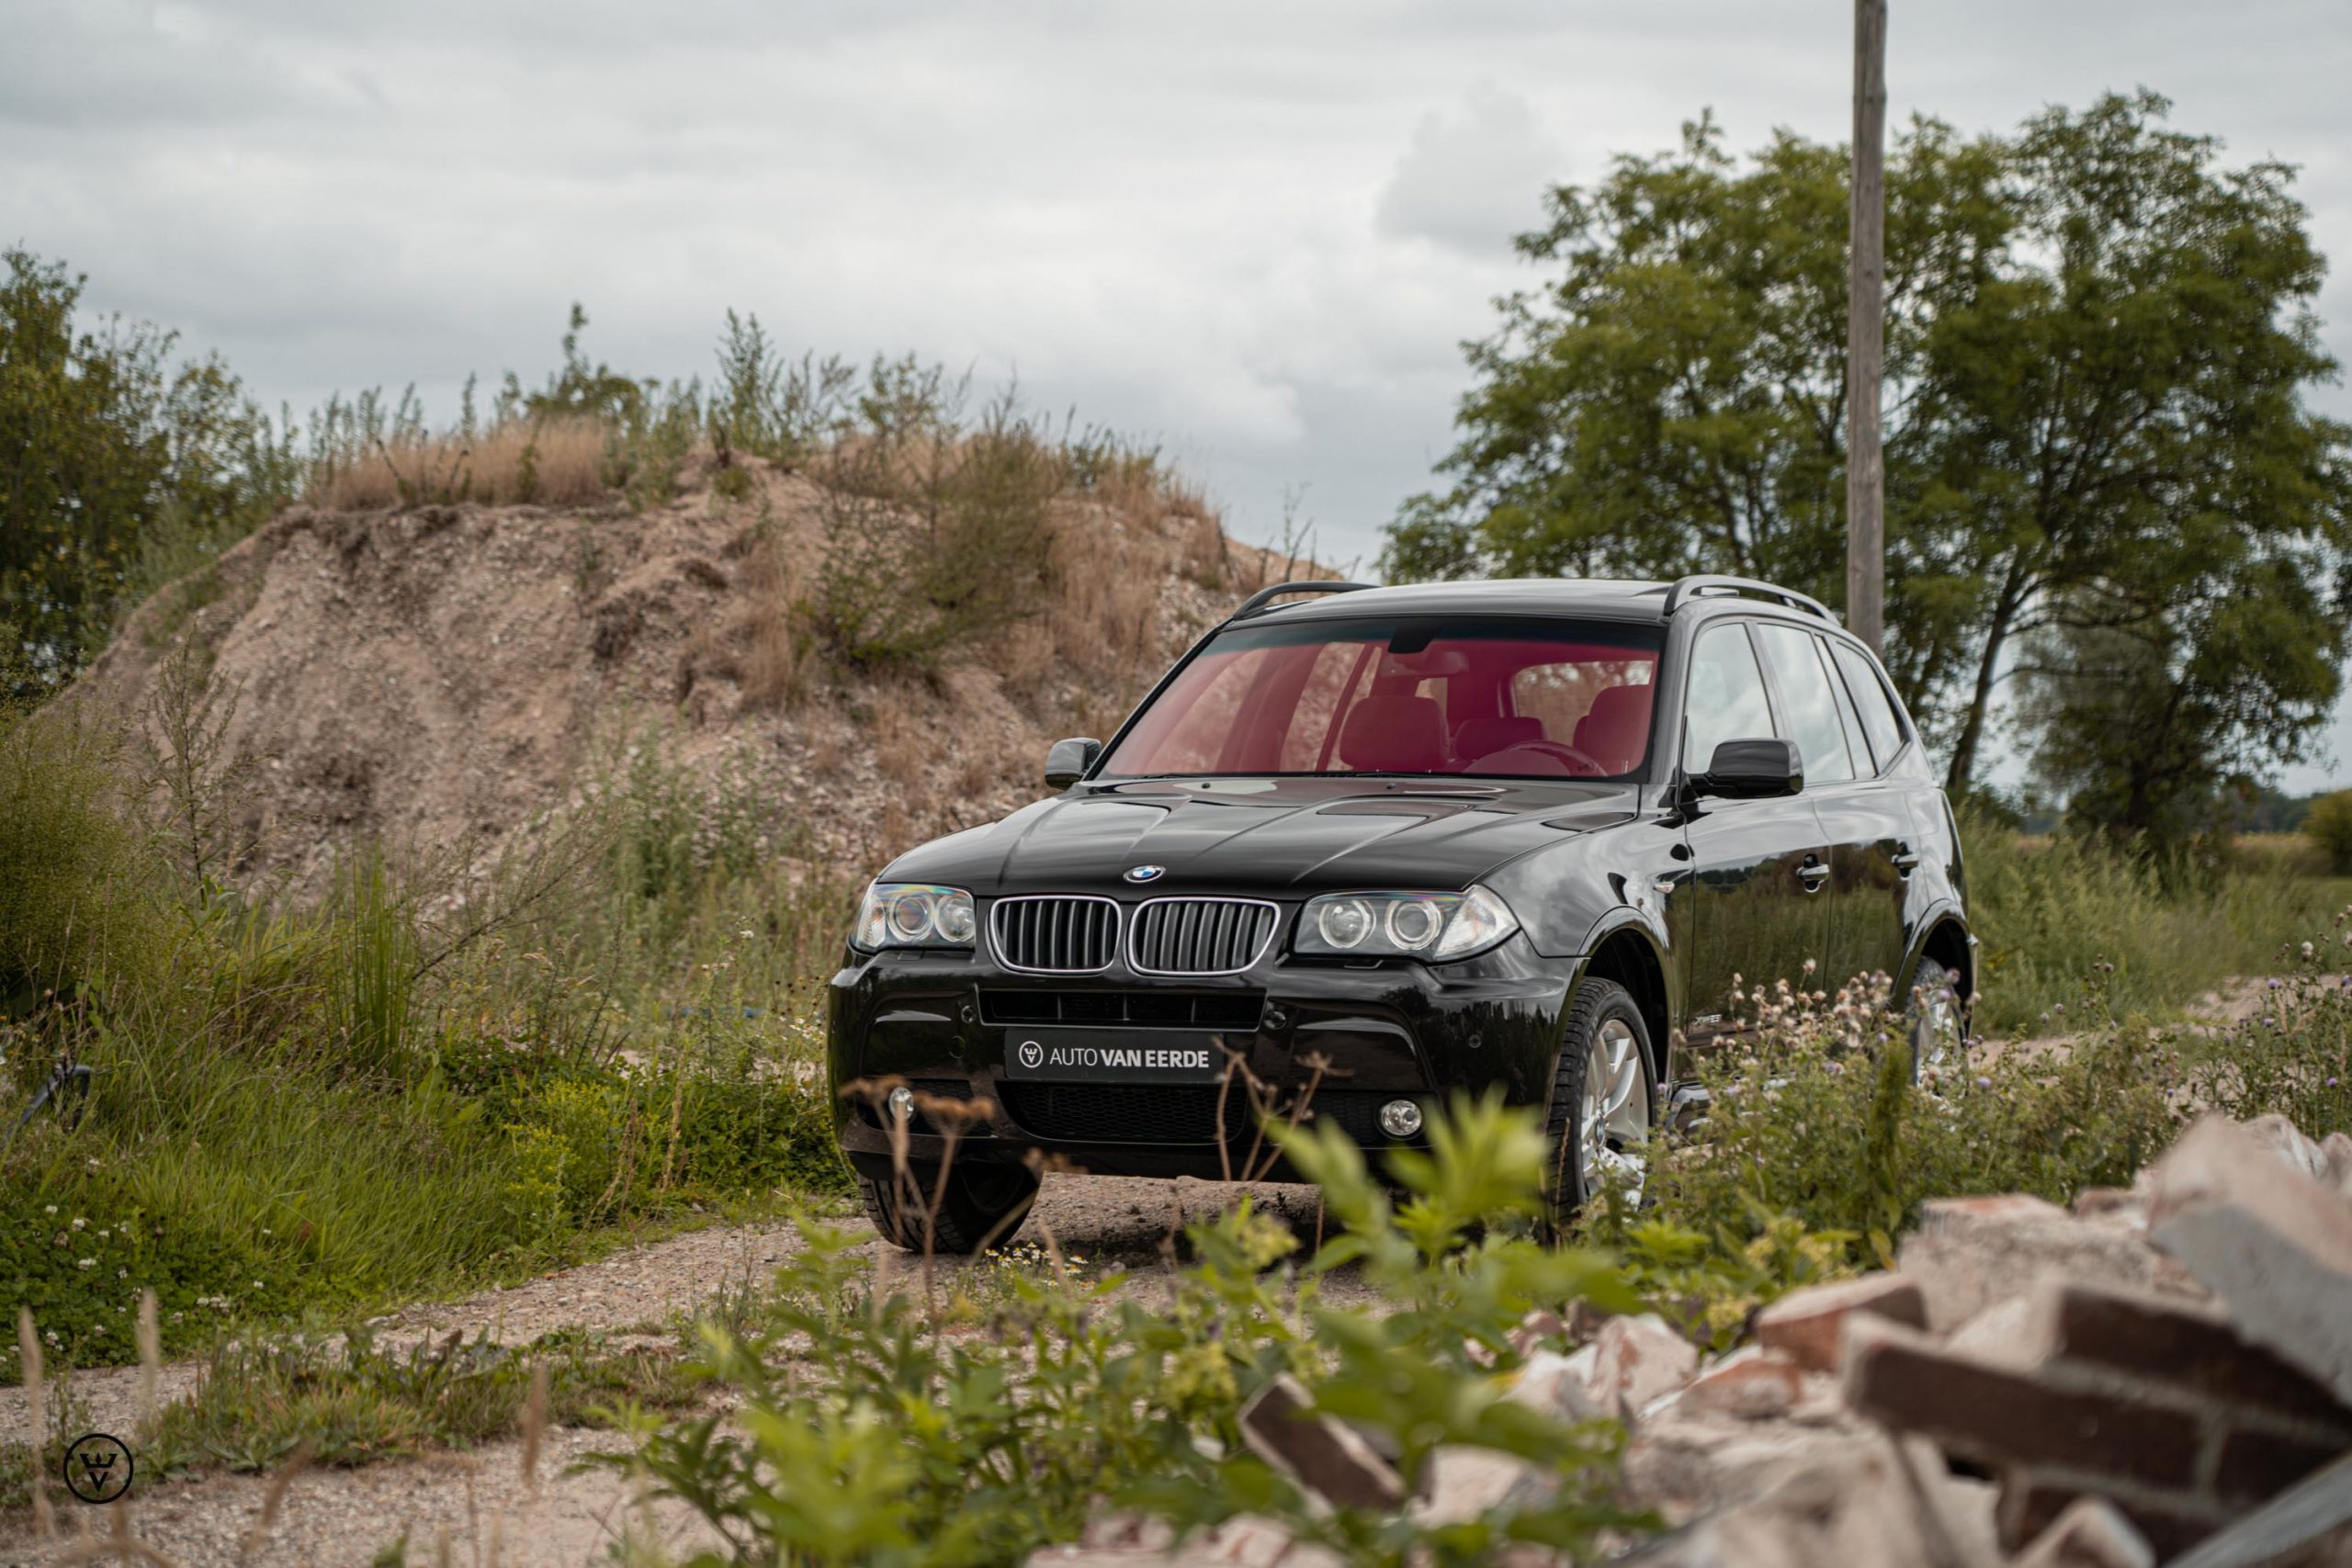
[1473, 178]
[1255, 234]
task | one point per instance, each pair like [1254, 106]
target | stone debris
[1328, 1458]
[2275, 1244]
[1637, 1360]
[2158, 1375]
[1808, 1326]
[2091, 1533]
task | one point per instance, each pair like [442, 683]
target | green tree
[2144, 718]
[2098, 339]
[103, 442]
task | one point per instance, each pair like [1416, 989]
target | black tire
[1934, 1021]
[1598, 1005]
[983, 1206]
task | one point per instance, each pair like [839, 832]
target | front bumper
[944, 1021]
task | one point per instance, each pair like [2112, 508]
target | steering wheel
[1580, 764]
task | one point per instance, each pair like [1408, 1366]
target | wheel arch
[1947, 940]
[1628, 955]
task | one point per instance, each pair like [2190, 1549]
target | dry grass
[551, 462]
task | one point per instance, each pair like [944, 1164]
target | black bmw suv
[1373, 845]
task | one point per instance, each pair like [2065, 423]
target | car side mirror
[1068, 761]
[1762, 768]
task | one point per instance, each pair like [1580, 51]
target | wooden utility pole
[1866, 334]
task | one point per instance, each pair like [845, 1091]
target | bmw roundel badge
[1146, 873]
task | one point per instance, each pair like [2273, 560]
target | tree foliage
[107, 446]
[2098, 339]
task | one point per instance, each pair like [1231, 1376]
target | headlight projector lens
[1345, 923]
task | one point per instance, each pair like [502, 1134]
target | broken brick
[1807, 1325]
[2275, 1244]
[1999, 1416]
[1320, 1454]
[2180, 1343]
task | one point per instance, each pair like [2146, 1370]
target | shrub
[71, 872]
[879, 1426]
[936, 534]
[1814, 1115]
[2329, 824]
[2294, 1055]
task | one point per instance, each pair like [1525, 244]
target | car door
[1862, 815]
[1750, 906]
[1904, 794]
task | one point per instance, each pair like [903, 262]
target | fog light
[901, 1101]
[1400, 1118]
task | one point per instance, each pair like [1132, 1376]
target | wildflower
[2307, 950]
[1983, 1082]
[50, 1210]
[80, 1223]
[2272, 982]
[86, 1263]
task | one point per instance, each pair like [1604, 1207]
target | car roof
[1620, 599]
[1524, 595]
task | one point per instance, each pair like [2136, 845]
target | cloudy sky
[1255, 233]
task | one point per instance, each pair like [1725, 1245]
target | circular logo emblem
[1032, 1054]
[1146, 873]
[97, 1468]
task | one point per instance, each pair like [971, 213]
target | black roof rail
[1265, 596]
[1688, 588]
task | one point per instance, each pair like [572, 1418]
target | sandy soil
[478, 1503]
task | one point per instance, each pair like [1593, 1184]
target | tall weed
[2048, 911]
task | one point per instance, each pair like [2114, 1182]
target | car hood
[1265, 836]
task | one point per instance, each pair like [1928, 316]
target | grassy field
[2050, 911]
[312, 1114]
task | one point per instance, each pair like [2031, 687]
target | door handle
[1812, 873]
[1906, 859]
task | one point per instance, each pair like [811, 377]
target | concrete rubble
[2161, 1375]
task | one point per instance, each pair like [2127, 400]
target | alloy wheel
[1613, 1130]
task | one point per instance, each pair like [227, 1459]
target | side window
[1864, 764]
[1812, 707]
[1726, 699]
[1869, 695]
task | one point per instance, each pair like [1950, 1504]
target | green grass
[323, 1111]
[347, 1400]
[2048, 912]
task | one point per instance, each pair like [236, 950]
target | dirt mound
[438, 676]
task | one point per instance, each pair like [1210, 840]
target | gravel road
[477, 1503]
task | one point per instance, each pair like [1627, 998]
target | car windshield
[1488, 698]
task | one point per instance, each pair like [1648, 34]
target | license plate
[1129, 1055]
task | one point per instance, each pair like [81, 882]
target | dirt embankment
[437, 676]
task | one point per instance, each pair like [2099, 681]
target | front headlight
[913, 914]
[1437, 927]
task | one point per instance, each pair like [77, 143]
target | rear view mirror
[1759, 768]
[1068, 761]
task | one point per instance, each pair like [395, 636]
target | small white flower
[80, 1223]
[86, 1263]
[50, 1209]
